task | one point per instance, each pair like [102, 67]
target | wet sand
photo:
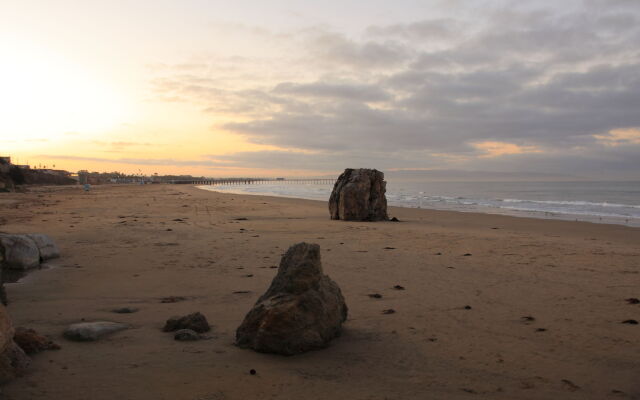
[492, 307]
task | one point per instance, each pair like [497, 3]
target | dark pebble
[125, 310]
[630, 322]
[467, 307]
[398, 287]
[375, 295]
[389, 311]
[394, 219]
[252, 371]
[632, 300]
[466, 254]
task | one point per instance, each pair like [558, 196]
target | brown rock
[31, 342]
[13, 361]
[359, 195]
[302, 310]
[196, 322]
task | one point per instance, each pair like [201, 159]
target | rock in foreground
[13, 361]
[91, 331]
[359, 195]
[302, 310]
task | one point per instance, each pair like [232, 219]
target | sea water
[605, 202]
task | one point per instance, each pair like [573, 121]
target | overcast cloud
[545, 90]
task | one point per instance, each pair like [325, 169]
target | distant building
[5, 160]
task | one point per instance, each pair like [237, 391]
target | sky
[304, 88]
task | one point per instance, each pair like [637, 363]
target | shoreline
[477, 209]
[131, 246]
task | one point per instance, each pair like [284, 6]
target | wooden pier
[255, 181]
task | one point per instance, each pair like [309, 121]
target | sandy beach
[493, 307]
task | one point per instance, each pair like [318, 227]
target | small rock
[186, 335]
[240, 219]
[630, 322]
[633, 300]
[398, 287]
[31, 342]
[394, 219]
[172, 299]
[91, 331]
[195, 321]
[125, 310]
[389, 248]
[467, 307]
[252, 371]
[466, 254]
[389, 311]
[375, 295]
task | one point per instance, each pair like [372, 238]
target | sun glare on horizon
[46, 95]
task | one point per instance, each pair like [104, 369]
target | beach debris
[195, 321]
[13, 360]
[125, 310]
[375, 295]
[632, 300]
[302, 310]
[389, 248]
[398, 287]
[19, 252]
[240, 219]
[359, 195]
[172, 299]
[572, 387]
[630, 322]
[31, 342]
[252, 371]
[438, 254]
[541, 330]
[467, 254]
[389, 311]
[527, 319]
[186, 335]
[467, 307]
[92, 331]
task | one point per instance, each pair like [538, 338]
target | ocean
[600, 202]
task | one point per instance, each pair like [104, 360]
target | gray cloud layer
[425, 94]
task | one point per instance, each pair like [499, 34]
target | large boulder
[19, 252]
[359, 195]
[46, 246]
[302, 310]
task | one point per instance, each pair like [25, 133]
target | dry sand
[123, 246]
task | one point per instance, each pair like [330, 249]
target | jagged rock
[186, 335]
[46, 246]
[302, 310]
[359, 195]
[19, 252]
[91, 331]
[13, 361]
[196, 322]
[31, 342]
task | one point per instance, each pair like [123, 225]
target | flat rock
[359, 195]
[186, 335]
[46, 246]
[91, 331]
[196, 322]
[302, 310]
[19, 252]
